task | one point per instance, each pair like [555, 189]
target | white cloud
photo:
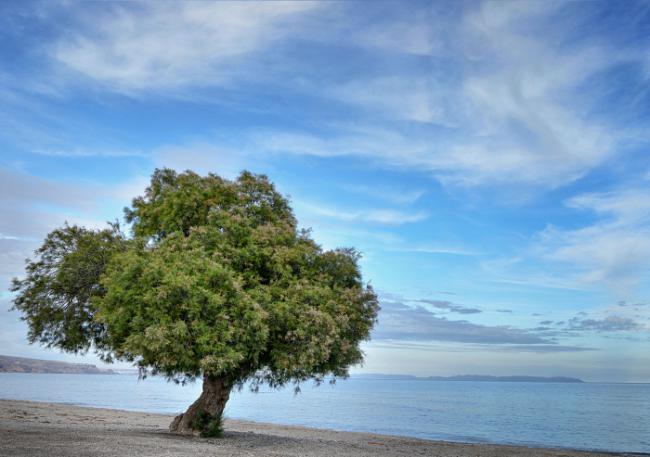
[156, 45]
[393, 195]
[382, 146]
[86, 152]
[413, 98]
[416, 35]
[614, 250]
[616, 257]
[378, 216]
[436, 249]
[625, 207]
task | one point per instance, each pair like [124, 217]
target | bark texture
[209, 406]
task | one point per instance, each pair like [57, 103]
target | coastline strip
[55, 430]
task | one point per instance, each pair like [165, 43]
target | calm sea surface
[614, 417]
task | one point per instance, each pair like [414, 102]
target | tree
[214, 282]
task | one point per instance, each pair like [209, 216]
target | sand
[53, 430]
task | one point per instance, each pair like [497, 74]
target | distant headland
[10, 364]
[475, 378]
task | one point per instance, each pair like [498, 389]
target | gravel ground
[53, 430]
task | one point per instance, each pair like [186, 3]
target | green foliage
[216, 280]
[208, 425]
[56, 297]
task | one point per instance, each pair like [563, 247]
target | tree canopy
[214, 281]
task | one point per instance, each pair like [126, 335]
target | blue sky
[490, 160]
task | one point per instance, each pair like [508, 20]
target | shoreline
[54, 429]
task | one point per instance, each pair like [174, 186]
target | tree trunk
[207, 409]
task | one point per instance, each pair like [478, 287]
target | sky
[489, 160]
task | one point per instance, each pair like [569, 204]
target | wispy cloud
[545, 349]
[409, 98]
[615, 249]
[445, 249]
[35, 123]
[94, 152]
[523, 128]
[153, 46]
[625, 206]
[415, 31]
[393, 195]
[378, 216]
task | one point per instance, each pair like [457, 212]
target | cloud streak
[449, 306]
[377, 216]
[403, 323]
[608, 324]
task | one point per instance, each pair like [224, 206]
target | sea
[589, 416]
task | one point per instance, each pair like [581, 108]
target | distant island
[475, 378]
[23, 365]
